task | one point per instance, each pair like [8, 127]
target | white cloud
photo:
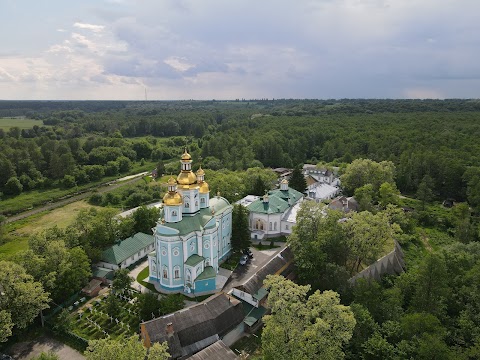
[180, 64]
[92, 27]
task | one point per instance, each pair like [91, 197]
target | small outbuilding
[127, 252]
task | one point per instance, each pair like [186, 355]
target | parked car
[243, 259]
[248, 252]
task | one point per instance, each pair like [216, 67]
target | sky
[229, 49]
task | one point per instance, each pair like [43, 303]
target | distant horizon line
[245, 100]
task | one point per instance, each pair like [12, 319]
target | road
[27, 350]
[244, 272]
[64, 202]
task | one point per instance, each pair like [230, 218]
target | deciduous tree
[302, 326]
[128, 349]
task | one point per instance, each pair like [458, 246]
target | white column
[170, 269]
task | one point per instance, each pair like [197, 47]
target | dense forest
[84, 141]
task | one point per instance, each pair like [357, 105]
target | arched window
[275, 225]
[174, 213]
[176, 272]
[270, 226]
[202, 200]
[165, 272]
[196, 203]
[187, 205]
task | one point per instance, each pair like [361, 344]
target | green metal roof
[261, 293]
[194, 260]
[121, 251]
[102, 273]
[278, 201]
[255, 315]
[198, 221]
[208, 273]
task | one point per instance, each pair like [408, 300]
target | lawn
[60, 217]
[20, 122]
[142, 275]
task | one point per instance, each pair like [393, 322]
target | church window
[164, 252]
[207, 262]
[165, 272]
[188, 276]
[270, 226]
[174, 213]
[275, 226]
[196, 203]
[192, 246]
[202, 200]
[176, 272]
[176, 252]
[187, 205]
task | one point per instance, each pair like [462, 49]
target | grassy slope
[38, 197]
[20, 231]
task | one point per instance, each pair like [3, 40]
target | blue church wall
[192, 246]
[205, 285]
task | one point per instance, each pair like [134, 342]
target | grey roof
[198, 326]
[278, 263]
[217, 351]
[344, 203]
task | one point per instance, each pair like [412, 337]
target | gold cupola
[186, 176]
[201, 182]
[172, 197]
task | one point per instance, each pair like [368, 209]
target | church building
[275, 213]
[192, 236]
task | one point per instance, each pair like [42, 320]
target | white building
[275, 213]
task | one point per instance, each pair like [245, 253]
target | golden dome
[172, 198]
[186, 156]
[284, 181]
[186, 178]
[200, 171]
[172, 181]
[204, 189]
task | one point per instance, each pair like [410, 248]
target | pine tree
[259, 187]
[297, 180]
[240, 232]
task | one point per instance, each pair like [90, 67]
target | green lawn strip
[143, 275]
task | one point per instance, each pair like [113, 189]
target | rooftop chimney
[169, 329]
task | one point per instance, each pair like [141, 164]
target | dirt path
[64, 202]
[27, 350]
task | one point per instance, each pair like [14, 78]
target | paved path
[28, 350]
[134, 273]
[244, 272]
